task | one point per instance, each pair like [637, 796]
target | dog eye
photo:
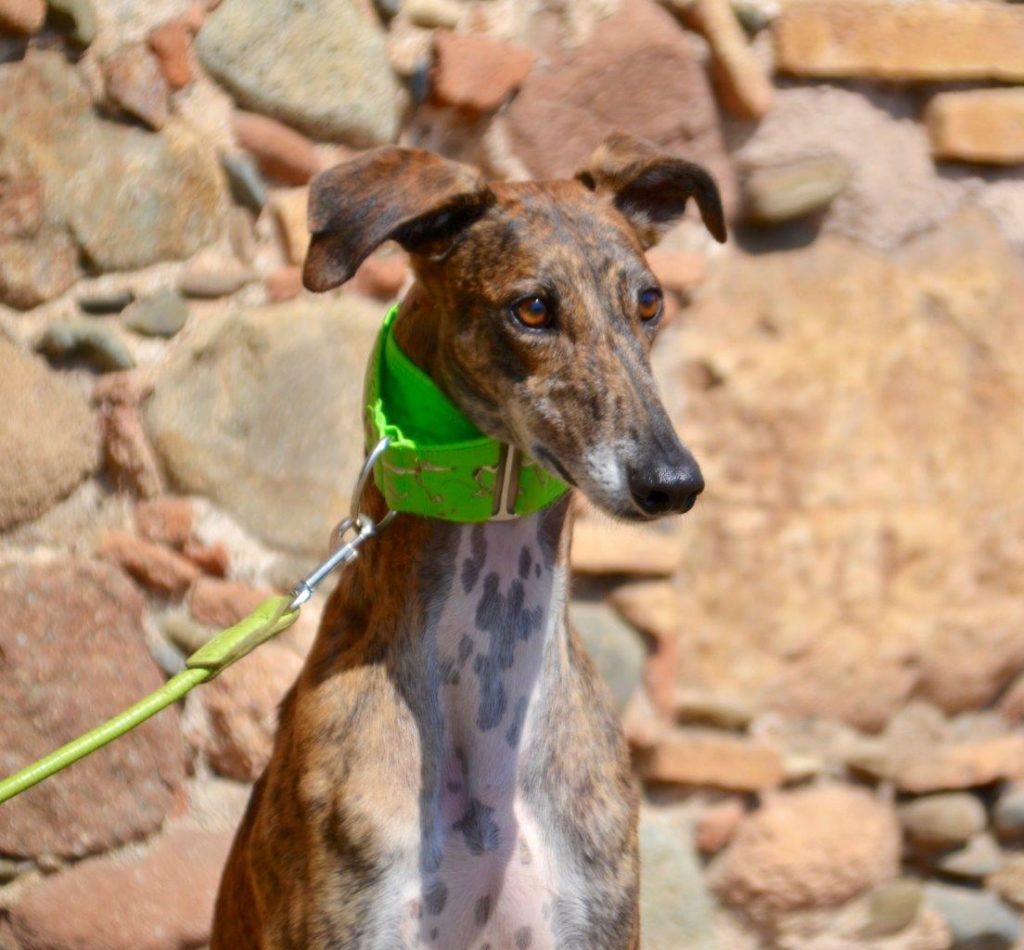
[533, 312]
[650, 302]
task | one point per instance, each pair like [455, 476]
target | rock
[96, 345]
[22, 16]
[433, 14]
[163, 314]
[74, 654]
[614, 647]
[99, 303]
[475, 72]
[278, 60]
[978, 125]
[21, 206]
[127, 454]
[976, 860]
[381, 277]
[679, 271]
[708, 759]
[171, 44]
[241, 223]
[37, 268]
[1011, 703]
[161, 900]
[289, 207]
[128, 198]
[885, 581]
[603, 547]
[167, 656]
[213, 559]
[919, 42]
[261, 411]
[961, 765]
[242, 707]
[281, 152]
[718, 824]
[246, 184]
[940, 822]
[892, 908]
[742, 80]
[37, 472]
[650, 606]
[816, 847]
[284, 284]
[210, 284]
[1008, 813]
[1008, 881]
[564, 112]
[661, 676]
[804, 187]
[184, 632]
[165, 521]
[152, 565]
[974, 918]
[222, 604]
[136, 84]
[76, 17]
[674, 903]
[641, 724]
[712, 709]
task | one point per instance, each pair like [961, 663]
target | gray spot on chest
[474, 564]
[478, 828]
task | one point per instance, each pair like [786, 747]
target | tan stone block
[743, 84]
[930, 40]
[981, 125]
[289, 207]
[963, 765]
[709, 759]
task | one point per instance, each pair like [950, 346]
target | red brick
[477, 73]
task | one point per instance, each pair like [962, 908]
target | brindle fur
[350, 801]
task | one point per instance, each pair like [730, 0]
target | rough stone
[381, 277]
[74, 655]
[165, 521]
[282, 153]
[743, 83]
[100, 302]
[242, 707]
[223, 603]
[244, 179]
[943, 821]
[614, 647]
[22, 16]
[95, 344]
[213, 559]
[979, 125]
[162, 900]
[433, 14]
[892, 908]
[261, 412]
[289, 207]
[650, 606]
[277, 59]
[708, 759]
[171, 44]
[1008, 813]
[713, 709]
[815, 847]
[284, 284]
[152, 565]
[210, 284]
[127, 454]
[961, 765]
[1011, 703]
[37, 472]
[37, 268]
[163, 314]
[602, 547]
[477, 73]
[976, 919]
[21, 206]
[127, 197]
[718, 824]
[784, 192]
[675, 906]
[977, 859]
[563, 112]
[135, 83]
[678, 271]
[854, 402]
[925, 41]
[76, 17]
[1008, 881]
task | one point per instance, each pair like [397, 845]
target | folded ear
[407, 195]
[650, 187]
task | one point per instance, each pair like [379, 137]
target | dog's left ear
[650, 187]
[407, 195]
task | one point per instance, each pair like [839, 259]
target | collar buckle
[506, 484]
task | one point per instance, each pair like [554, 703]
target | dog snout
[666, 486]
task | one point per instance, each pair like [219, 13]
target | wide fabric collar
[438, 464]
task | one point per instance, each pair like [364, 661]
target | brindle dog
[448, 771]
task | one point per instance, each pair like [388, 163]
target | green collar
[439, 464]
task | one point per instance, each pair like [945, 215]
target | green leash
[428, 460]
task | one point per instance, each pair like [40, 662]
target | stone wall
[821, 669]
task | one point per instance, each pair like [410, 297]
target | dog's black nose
[659, 489]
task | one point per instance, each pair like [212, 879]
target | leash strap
[438, 464]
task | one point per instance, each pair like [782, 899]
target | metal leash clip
[364, 527]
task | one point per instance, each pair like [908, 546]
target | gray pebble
[977, 920]
[161, 315]
[245, 181]
[113, 301]
[92, 343]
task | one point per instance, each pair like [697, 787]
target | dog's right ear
[410, 196]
